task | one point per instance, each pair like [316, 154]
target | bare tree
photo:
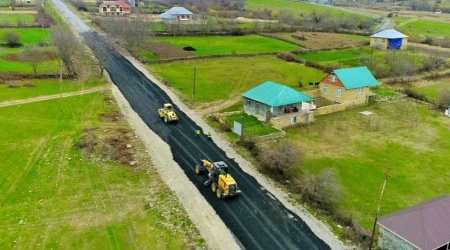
[42, 18]
[322, 189]
[67, 46]
[401, 63]
[281, 158]
[12, 39]
[33, 56]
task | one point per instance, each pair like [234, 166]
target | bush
[281, 158]
[249, 144]
[322, 189]
[411, 93]
[444, 99]
[12, 39]
[287, 56]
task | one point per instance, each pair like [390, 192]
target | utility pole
[378, 210]
[193, 84]
[60, 78]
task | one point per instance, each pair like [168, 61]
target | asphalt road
[256, 218]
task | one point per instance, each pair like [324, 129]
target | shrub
[12, 39]
[287, 56]
[281, 158]
[444, 99]
[249, 144]
[413, 94]
[323, 189]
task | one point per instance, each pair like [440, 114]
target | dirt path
[50, 97]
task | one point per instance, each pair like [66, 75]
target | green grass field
[345, 57]
[227, 78]
[53, 197]
[42, 87]
[405, 139]
[434, 90]
[301, 8]
[28, 36]
[421, 27]
[14, 19]
[251, 126]
[226, 45]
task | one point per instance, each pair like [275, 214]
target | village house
[350, 86]
[114, 8]
[421, 227]
[389, 39]
[280, 105]
[177, 15]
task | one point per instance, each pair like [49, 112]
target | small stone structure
[350, 86]
[389, 39]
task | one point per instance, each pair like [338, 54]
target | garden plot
[323, 40]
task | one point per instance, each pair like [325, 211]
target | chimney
[333, 77]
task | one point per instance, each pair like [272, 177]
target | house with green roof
[278, 104]
[349, 86]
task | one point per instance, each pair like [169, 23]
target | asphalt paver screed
[256, 219]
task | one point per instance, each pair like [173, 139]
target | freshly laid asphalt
[256, 218]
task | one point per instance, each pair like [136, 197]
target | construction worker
[197, 133]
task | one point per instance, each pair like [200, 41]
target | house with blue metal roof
[177, 14]
[349, 86]
[279, 104]
[389, 39]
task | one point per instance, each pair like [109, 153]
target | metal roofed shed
[389, 39]
[280, 104]
[425, 226]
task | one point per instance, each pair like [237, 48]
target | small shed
[280, 104]
[114, 8]
[389, 39]
[177, 14]
[425, 226]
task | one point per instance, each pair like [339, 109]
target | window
[338, 92]
[294, 120]
[325, 90]
[359, 91]
[104, 9]
[248, 102]
[120, 8]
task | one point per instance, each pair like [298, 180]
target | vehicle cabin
[350, 86]
[389, 39]
[114, 8]
[177, 15]
[278, 104]
[424, 226]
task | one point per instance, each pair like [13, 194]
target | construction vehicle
[222, 183]
[167, 113]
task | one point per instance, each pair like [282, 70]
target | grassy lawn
[28, 36]
[14, 19]
[433, 91]
[299, 7]
[345, 57]
[250, 125]
[404, 138]
[421, 27]
[53, 196]
[322, 40]
[226, 78]
[226, 45]
[41, 87]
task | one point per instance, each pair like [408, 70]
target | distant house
[177, 15]
[114, 8]
[349, 86]
[279, 104]
[425, 226]
[389, 39]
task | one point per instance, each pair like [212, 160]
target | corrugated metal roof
[353, 78]
[275, 94]
[170, 14]
[426, 226]
[390, 34]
